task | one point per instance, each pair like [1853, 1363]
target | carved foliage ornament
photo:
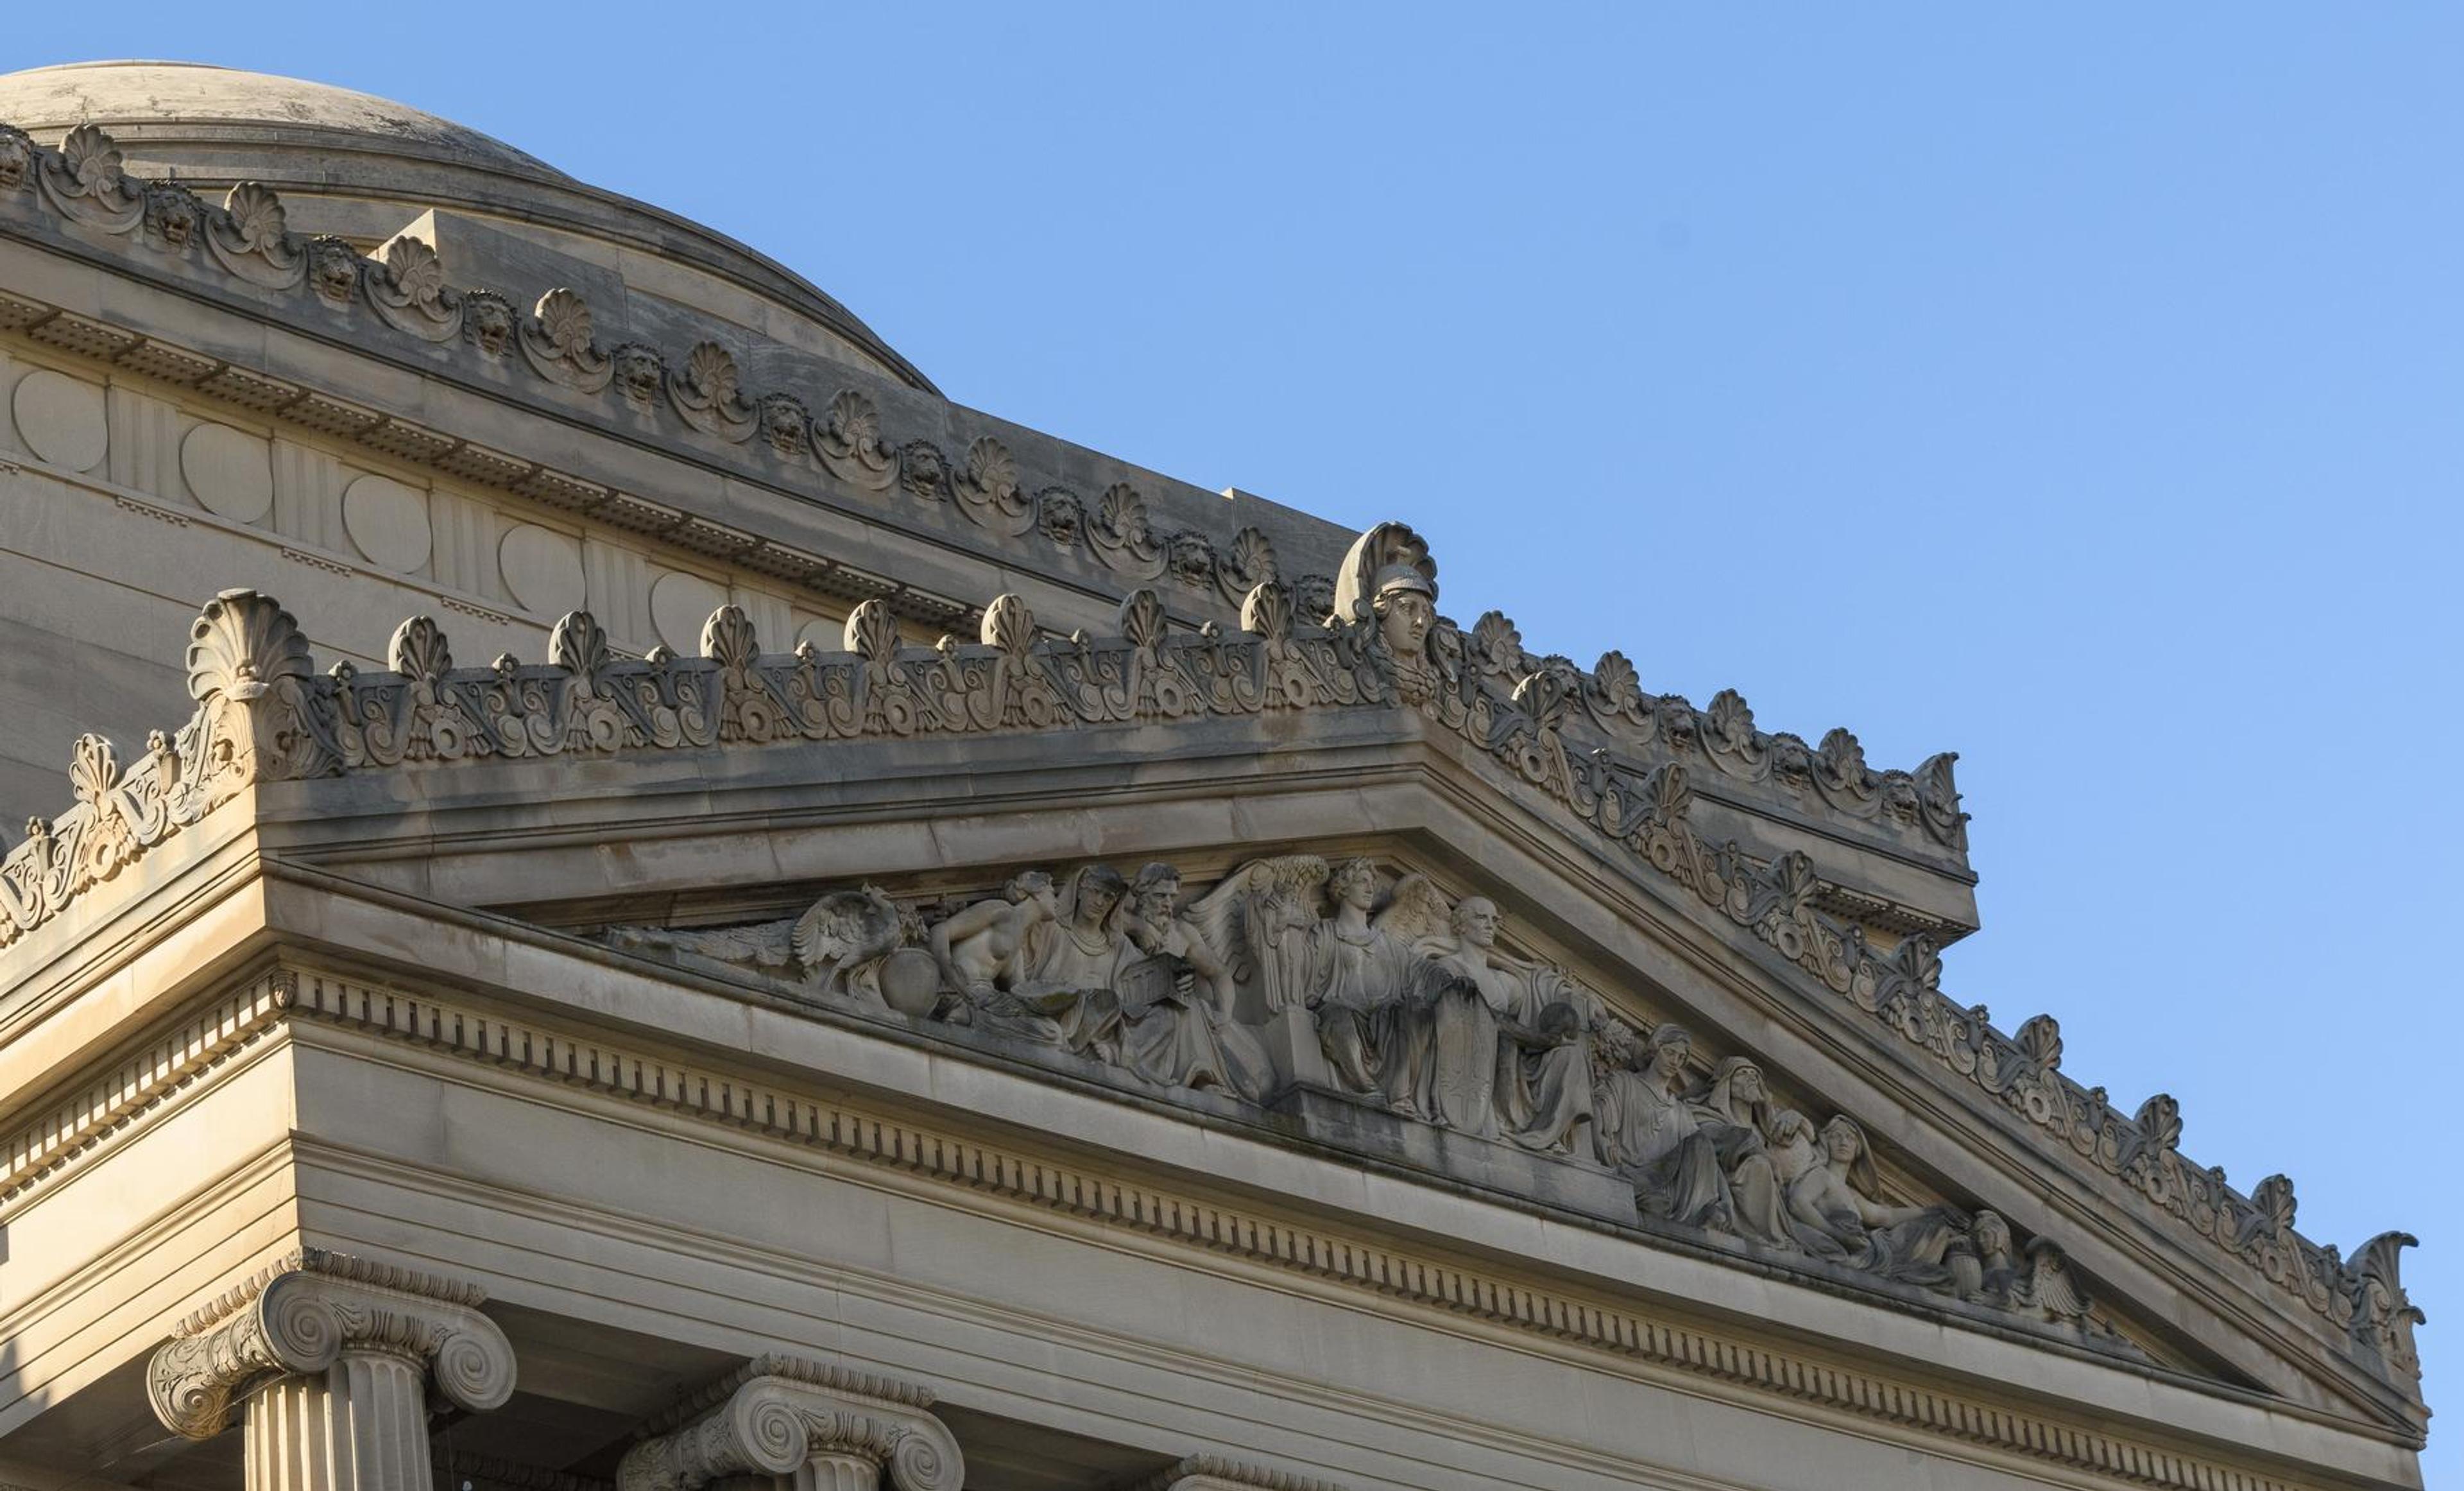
[707, 393]
[250, 239]
[557, 341]
[263, 715]
[407, 288]
[84, 181]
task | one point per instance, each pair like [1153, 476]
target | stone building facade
[738, 924]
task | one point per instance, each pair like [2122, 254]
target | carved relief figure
[1735, 1113]
[1357, 973]
[1414, 1006]
[1067, 969]
[1837, 1215]
[1177, 1026]
[1650, 1132]
[1463, 1031]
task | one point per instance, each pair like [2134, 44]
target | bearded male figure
[1177, 1026]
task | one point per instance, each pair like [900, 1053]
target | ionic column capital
[777, 1413]
[299, 1316]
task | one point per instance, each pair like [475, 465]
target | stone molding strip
[265, 715]
[158, 1071]
[557, 340]
[264, 396]
[777, 1413]
[735, 1101]
[826, 1375]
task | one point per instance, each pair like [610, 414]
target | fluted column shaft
[360, 1425]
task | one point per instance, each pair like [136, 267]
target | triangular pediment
[1391, 908]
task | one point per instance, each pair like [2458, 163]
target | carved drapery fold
[787, 1417]
[306, 1316]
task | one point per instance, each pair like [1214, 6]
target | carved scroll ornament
[299, 1316]
[778, 1413]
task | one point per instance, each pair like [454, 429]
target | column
[782, 1423]
[332, 1356]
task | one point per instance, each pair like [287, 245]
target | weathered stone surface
[1136, 964]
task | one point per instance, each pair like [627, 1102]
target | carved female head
[1670, 1047]
[1028, 885]
[1353, 884]
[1100, 889]
[1406, 610]
[1990, 1235]
[1844, 1141]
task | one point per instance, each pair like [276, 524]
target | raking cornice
[265, 715]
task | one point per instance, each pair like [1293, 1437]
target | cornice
[696, 393]
[156, 1072]
[1827, 787]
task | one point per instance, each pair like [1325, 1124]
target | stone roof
[364, 169]
[144, 101]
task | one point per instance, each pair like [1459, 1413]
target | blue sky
[2076, 387]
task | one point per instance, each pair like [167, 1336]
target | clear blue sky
[2076, 387]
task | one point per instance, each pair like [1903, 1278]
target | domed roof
[142, 101]
[364, 167]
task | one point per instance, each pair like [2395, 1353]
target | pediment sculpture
[1379, 991]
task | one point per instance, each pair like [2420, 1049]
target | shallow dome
[144, 102]
[364, 168]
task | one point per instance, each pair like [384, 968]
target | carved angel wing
[1221, 917]
[2050, 1286]
[1257, 919]
[1418, 916]
[844, 928]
